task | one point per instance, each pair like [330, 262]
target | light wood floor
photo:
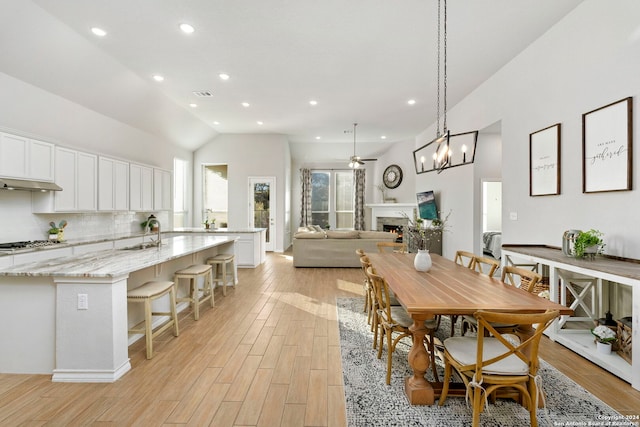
[268, 354]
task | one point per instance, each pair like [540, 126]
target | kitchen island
[69, 316]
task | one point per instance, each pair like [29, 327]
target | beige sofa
[335, 248]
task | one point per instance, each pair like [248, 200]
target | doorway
[262, 203]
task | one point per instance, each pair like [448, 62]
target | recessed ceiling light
[246, 104]
[313, 102]
[158, 77]
[411, 101]
[216, 123]
[98, 32]
[223, 76]
[187, 28]
[192, 105]
[383, 137]
[318, 137]
[260, 123]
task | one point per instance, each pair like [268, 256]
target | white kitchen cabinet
[140, 187]
[77, 173]
[113, 184]
[25, 158]
[161, 190]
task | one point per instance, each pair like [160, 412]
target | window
[216, 191]
[332, 199]
[180, 201]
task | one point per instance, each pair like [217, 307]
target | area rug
[371, 402]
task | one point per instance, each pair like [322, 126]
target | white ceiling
[362, 60]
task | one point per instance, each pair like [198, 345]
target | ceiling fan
[356, 161]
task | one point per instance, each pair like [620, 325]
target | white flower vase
[603, 347]
[422, 261]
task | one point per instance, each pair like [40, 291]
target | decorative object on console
[607, 135]
[588, 243]
[604, 338]
[568, 241]
[544, 161]
[392, 176]
[421, 235]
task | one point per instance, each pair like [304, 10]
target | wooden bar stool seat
[193, 273]
[147, 293]
[223, 274]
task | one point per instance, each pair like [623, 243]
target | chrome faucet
[150, 221]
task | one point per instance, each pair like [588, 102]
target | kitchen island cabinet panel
[55, 335]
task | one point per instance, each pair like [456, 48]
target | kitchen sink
[140, 246]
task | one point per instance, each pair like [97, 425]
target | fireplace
[394, 229]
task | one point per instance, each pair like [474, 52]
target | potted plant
[588, 242]
[605, 337]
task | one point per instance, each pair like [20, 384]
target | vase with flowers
[605, 338]
[422, 234]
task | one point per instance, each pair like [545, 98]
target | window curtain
[305, 192]
[358, 176]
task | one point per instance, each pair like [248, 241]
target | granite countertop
[117, 262]
[216, 230]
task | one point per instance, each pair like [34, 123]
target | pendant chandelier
[445, 150]
[442, 155]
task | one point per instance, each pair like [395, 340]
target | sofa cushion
[342, 234]
[310, 235]
[377, 235]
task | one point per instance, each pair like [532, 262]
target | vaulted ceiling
[359, 60]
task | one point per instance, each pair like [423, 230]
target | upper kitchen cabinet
[26, 158]
[161, 190]
[77, 173]
[113, 184]
[140, 187]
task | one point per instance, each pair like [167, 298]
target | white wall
[246, 155]
[581, 64]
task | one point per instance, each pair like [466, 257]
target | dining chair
[395, 319]
[519, 277]
[465, 259]
[392, 247]
[485, 265]
[368, 288]
[487, 364]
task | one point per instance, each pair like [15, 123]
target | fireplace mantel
[395, 210]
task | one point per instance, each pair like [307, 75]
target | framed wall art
[607, 135]
[544, 161]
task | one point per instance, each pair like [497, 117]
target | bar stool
[147, 293]
[221, 274]
[193, 273]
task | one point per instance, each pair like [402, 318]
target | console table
[593, 286]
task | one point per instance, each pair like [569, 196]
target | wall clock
[392, 176]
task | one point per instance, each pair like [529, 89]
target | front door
[262, 203]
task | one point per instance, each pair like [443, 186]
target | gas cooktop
[26, 244]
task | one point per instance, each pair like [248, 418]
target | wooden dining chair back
[464, 258]
[394, 319]
[397, 247]
[492, 361]
[369, 297]
[485, 265]
[520, 277]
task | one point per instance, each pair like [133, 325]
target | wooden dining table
[447, 288]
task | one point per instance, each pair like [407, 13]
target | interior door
[262, 203]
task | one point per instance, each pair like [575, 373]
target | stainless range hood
[20, 184]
